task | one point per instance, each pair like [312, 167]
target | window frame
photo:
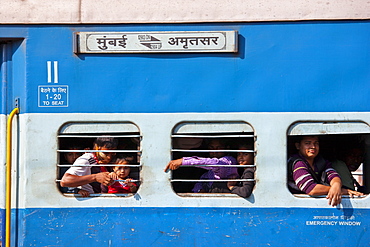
[91, 130]
[207, 130]
[328, 130]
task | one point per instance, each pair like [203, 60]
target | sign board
[53, 96]
[156, 42]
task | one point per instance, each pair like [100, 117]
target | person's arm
[198, 161]
[334, 191]
[83, 193]
[247, 186]
[351, 193]
[173, 164]
[133, 186]
[69, 180]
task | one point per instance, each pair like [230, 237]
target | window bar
[213, 180]
[69, 165]
[118, 180]
[215, 136]
[212, 150]
[236, 165]
[95, 136]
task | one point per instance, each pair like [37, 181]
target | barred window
[75, 139]
[209, 151]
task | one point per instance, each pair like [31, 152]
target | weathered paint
[167, 11]
[199, 226]
[276, 61]
[284, 73]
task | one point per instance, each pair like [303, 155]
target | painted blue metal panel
[2, 225]
[281, 67]
[194, 227]
[12, 73]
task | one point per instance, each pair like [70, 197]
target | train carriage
[164, 78]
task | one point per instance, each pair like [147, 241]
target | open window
[208, 140]
[75, 139]
[344, 144]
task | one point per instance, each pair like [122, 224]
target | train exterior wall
[284, 72]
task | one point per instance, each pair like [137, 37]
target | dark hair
[223, 141]
[298, 139]
[246, 145]
[75, 146]
[107, 142]
[121, 160]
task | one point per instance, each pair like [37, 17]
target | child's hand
[113, 176]
[84, 193]
[132, 186]
[231, 184]
[128, 182]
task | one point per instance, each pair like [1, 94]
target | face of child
[354, 159]
[216, 145]
[122, 171]
[71, 157]
[245, 158]
[104, 157]
[308, 147]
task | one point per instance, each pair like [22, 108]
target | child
[121, 173]
[69, 158]
[245, 188]
[79, 174]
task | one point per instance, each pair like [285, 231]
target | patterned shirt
[303, 174]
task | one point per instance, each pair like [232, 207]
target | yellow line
[8, 197]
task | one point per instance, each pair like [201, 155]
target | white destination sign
[148, 42]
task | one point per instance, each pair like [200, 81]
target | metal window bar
[118, 180]
[213, 150]
[100, 195]
[97, 135]
[69, 165]
[212, 195]
[96, 151]
[213, 180]
[209, 136]
[236, 165]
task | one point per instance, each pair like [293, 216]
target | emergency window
[209, 140]
[75, 139]
[344, 144]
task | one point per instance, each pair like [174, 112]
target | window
[75, 139]
[344, 144]
[218, 140]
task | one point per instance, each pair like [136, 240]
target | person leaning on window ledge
[313, 175]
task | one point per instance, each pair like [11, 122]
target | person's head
[105, 143]
[70, 157]
[308, 147]
[353, 158]
[216, 144]
[245, 158]
[122, 171]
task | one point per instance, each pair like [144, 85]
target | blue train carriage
[164, 79]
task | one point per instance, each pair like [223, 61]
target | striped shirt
[303, 174]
